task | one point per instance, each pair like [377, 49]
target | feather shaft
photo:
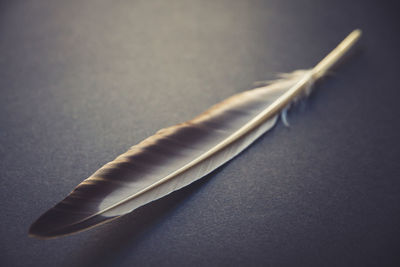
[179, 155]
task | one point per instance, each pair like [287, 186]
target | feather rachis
[177, 156]
[118, 173]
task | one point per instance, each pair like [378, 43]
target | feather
[179, 155]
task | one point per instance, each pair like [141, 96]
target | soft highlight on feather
[174, 157]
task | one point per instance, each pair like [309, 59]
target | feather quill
[179, 155]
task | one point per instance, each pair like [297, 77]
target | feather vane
[179, 155]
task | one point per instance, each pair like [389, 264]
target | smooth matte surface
[82, 81]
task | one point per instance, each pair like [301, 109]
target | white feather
[179, 155]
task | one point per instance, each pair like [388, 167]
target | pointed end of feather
[55, 223]
[357, 32]
[33, 233]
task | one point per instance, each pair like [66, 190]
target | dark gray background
[82, 81]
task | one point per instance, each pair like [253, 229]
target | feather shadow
[119, 239]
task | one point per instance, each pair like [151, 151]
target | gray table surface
[82, 81]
